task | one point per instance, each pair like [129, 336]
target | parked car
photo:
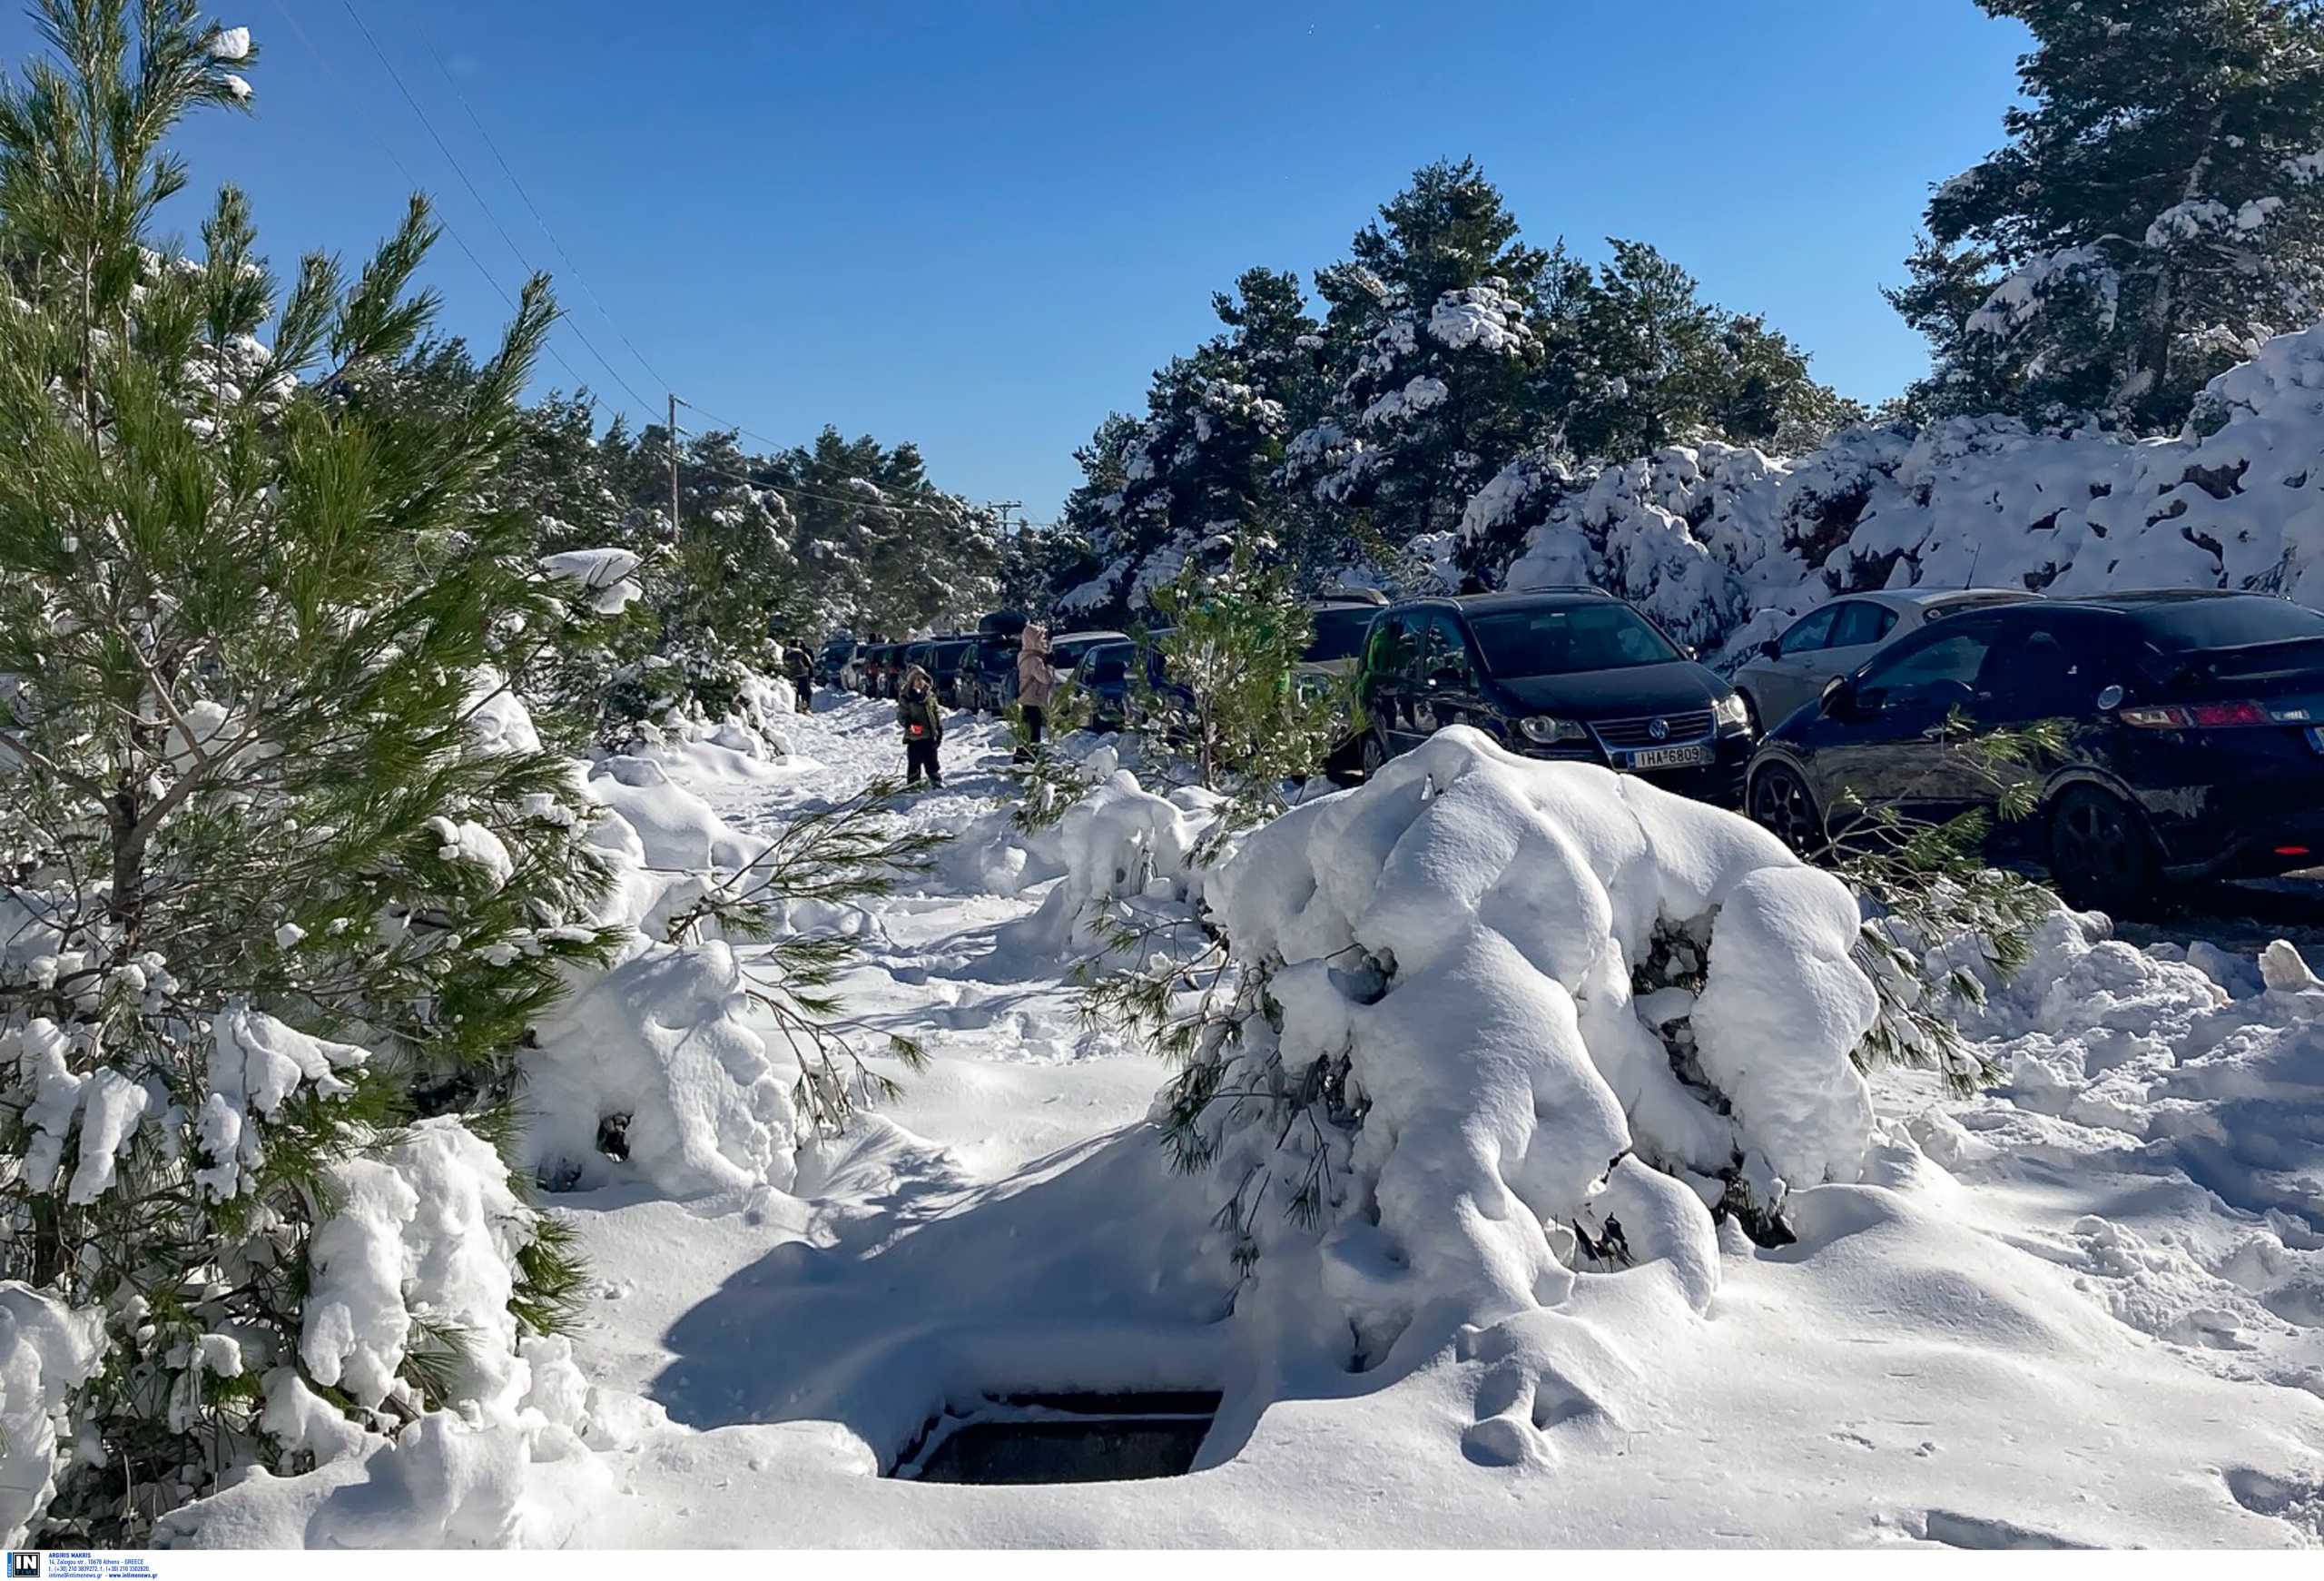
[875, 670]
[1342, 621]
[836, 665]
[1105, 674]
[1065, 653]
[1576, 676]
[944, 661]
[2192, 728]
[1791, 671]
[912, 653]
[988, 671]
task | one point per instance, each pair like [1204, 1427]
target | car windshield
[2180, 626]
[1558, 639]
[1339, 634]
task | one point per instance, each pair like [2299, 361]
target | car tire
[1779, 801]
[1373, 756]
[2102, 857]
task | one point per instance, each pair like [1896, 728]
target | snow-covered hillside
[1725, 545]
[2085, 1308]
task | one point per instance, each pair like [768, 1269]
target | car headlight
[1731, 713]
[1544, 729]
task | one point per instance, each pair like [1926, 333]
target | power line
[415, 184]
[436, 53]
[461, 171]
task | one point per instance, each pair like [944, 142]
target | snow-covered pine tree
[280, 866]
[2158, 210]
[1436, 340]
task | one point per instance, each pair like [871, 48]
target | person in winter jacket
[923, 718]
[1037, 683]
[802, 671]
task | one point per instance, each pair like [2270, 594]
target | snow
[1726, 545]
[606, 575]
[47, 1351]
[2081, 1307]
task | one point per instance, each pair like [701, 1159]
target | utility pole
[673, 468]
[1001, 510]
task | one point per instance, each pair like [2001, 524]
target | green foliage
[1048, 784]
[1944, 918]
[1448, 346]
[256, 637]
[1230, 641]
[836, 855]
[2156, 211]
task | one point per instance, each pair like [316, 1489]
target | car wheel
[1375, 755]
[1782, 804]
[2100, 854]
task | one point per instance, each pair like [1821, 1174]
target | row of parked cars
[2188, 726]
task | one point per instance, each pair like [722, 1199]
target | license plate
[1672, 757]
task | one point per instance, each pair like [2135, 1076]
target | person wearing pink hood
[1037, 683]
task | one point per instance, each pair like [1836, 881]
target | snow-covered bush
[1117, 846]
[1438, 1091]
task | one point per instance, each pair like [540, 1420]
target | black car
[1105, 674]
[831, 664]
[990, 670]
[2190, 725]
[1576, 676]
[944, 661]
[911, 654]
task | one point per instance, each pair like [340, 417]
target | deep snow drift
[2079, 1309]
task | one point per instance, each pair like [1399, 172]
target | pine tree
[1228, 706]
[2158, 209]
[261, 788]
[1437, 341]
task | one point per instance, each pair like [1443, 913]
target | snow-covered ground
[2087, 1308]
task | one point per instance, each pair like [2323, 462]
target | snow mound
[653, 1072]
[1121, 843]
[47, 1350]
[1449, 1071]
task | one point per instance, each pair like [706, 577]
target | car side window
[1810, 633]
[1448, 658]
[1392, 654]
[1945, 669]
[1860, 624]
[2052, 668]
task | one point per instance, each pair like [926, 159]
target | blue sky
[980, 225]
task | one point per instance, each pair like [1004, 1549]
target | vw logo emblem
[1660, 730]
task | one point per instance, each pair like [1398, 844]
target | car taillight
[2196, 716]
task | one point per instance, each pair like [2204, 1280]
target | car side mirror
[1771, 649]
[1839, 699]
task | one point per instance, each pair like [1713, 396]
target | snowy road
[2071, 1314]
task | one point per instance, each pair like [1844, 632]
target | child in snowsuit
[923, 718]
[1037, 683]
